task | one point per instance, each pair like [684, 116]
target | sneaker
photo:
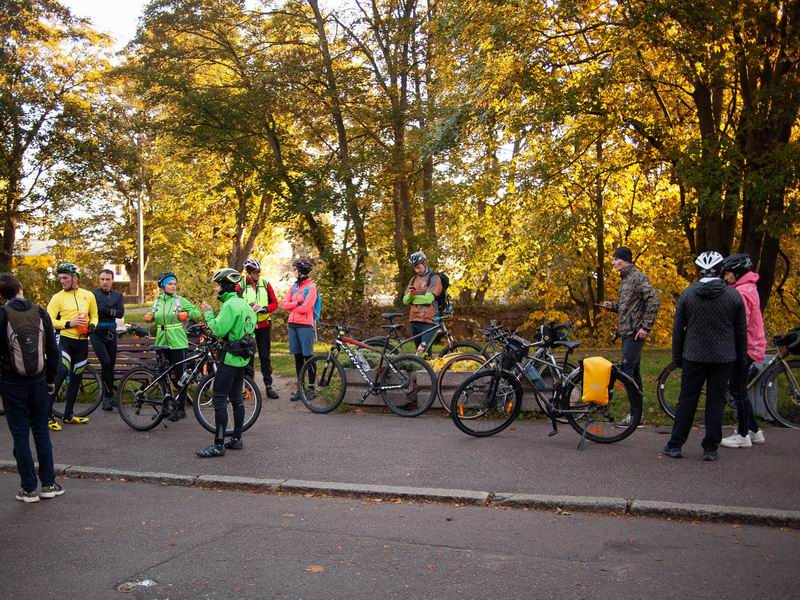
[108, 403]
[73, 420]
[54, 425]
[181, 414]
[709, 455]
[51, 491]
[756, 437]
[234, 444]
[27, 497]
[296, 396]
[672, 452]
[272, 394]
[625, 423]
[211, 451]
[736, 441]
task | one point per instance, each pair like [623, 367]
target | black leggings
[744, 407]
[74, 356]
[299, 361]
[104, 342]
[176, 356]
[228, 385]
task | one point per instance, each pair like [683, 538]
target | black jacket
[710, 324]
[110, 307]
[52, 353]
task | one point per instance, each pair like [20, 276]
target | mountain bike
[145, 397]
[490, 400]
[405, 382]
[396, 344]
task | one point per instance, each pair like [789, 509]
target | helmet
[68, 269]
[252, 264]
[708, 263]
[416, 258]
[164, 276]
[227, 278]
[738, 264]
[303, 266]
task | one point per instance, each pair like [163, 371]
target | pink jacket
[756, 339]
[300, 314]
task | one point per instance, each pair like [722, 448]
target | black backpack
[25, 338]
[442, 300]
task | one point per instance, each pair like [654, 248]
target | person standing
[299, 302]
[709, 340]
[29, 359]
[110, 307]
[258, 293]
[637, 306]
[235, 325]
[73, 311]
[169, 311]
[421, 294]
[736, 272]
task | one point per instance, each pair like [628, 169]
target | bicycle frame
[441, 332]
[165, 369]
[343, 343]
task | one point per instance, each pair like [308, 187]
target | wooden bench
[132, 352]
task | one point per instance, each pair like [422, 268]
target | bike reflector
[596, 379]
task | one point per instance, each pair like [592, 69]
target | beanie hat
[624, 253]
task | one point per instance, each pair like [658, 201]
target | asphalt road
[192, 543]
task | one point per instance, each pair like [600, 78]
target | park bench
[131, 352]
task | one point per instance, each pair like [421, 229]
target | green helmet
[227, 278]
[68, 269]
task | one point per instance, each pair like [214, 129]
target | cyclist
[737, 273]
[73, 311]
[110, 307]
[169, 311]
[258, 293]
[235, 324]
[299, 302]
[709, 340]
[421, 294]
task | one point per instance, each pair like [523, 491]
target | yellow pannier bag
[596, 379]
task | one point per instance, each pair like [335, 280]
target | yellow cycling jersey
[65, 306]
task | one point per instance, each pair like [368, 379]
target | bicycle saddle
[391, 315]
[571, 345]
[394, 326]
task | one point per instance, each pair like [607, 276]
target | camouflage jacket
[637, 304]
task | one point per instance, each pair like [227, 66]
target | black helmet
[738, 264]
[227, 279]
[303, 266]
[68, 269]
[417, 258]
[164, 276]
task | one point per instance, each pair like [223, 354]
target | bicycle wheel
[203, 405]
[486, 402]
[603, 423]
[465, 347]
[415, 381]
[90, 394]
[329, 387]
[140, 399]
[781, 392]
[453, 373]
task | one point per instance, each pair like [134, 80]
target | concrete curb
[590, 504]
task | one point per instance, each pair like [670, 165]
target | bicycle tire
[329, 386]
[781, 398]
[486, 402]
[140, 402]
[450, 376]
[90, 395]
[203, 405]
[465, 347]
[668, 388]
[417, 381]
[604, 428]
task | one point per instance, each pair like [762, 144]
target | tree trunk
[10, 221]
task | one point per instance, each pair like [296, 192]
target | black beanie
[624, 253]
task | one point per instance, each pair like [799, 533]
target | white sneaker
[736, 441]
[756, 437]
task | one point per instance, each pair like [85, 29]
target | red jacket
[300, 314]
[756, 339]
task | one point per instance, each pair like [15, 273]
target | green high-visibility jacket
[235, 320]
[169, 329]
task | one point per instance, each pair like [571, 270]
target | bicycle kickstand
[582, 443]
[555, 426]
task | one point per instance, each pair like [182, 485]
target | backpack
[25, 336]
[317, 304]
[442, 300]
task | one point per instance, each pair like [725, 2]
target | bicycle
[491, 399]
[396, 343]
[405, 382]
[668, 388]
[146, 397]
[547, 366]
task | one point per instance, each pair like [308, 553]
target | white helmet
[252, 264]
[708, 263]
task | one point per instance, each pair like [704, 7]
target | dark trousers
[27, 410]
[74, 356]
[694, 375]
[175, 357]
[428, 330]
[104, 343]
[264, 344]
[744, 407]
[632, 358]
[228, 387]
